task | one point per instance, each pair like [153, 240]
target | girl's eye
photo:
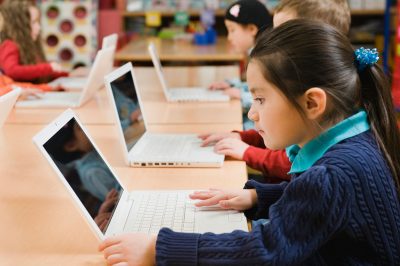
[259, 100]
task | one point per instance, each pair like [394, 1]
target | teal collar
[304, 158]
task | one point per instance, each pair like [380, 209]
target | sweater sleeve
[11, 66]
[271, 163]
[313, 207]
[252, 138]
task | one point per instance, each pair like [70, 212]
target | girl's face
[275, 118]
[35, 22]
[241, 37]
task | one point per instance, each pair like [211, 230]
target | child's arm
[311, 210]
[10, 64]
[271, 163]
[252, 138]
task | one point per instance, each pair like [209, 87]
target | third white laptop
[137, 211]
[147, 149]
[100, 68]
[184, 94]
[78, 83]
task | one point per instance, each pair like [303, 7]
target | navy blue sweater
[344, 210]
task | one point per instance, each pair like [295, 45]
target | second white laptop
[93, 186]
[145, 149]
[101, 66]
[184, 94]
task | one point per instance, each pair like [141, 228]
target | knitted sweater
[344, 210]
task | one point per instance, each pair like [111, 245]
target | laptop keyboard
[169, 146]
[198, 95]
[152, 211]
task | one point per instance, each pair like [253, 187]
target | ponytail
[377, 100]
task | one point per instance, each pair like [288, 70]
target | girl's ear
[71, 145]
[314, 103]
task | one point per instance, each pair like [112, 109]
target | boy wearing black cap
[243, 20]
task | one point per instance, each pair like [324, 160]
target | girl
[243, 20]
[332, 107]
[21, 53]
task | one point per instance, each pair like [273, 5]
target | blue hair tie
[365, 58]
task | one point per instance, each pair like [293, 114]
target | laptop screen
[85, 171]
[128, 108]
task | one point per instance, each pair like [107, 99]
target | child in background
[332, 107]
[243, 20]
[248, 145]
[21, 53]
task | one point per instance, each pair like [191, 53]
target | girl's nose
[252, 115]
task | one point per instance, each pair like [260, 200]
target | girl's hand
[234, 93]
[56, 67]
[80, 72]
[219, 85]
[211, 138]
[239, 200]
[231, 147]
[130, 249]
[30, 94]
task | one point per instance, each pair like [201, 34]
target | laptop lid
[7, 102]
[127, 107]
[157, 65]
[86, 175]
[110, 41]
[102, 65]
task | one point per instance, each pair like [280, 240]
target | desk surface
[182, 51]
[40, 224]
[158, 110]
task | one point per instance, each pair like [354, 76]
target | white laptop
[78, 83]
[145, 149]
[110, 41]
[187, 94]
[137, 211]
[7, 102]
[63, 99]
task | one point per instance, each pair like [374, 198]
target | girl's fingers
[211, 201]
[115, 258]
[111, 250]
[109, 242]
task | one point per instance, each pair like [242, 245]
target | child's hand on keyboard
[219, 85]
[239, 200]
[129, 249]
[233, 93]
[231, 147]
[30, 94]
[212, 138]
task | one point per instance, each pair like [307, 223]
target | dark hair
[301, 54]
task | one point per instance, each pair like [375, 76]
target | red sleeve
[11, 66]
[252, 138]
[271, 163]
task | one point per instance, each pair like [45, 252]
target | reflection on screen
[128, 108]
[85, 171]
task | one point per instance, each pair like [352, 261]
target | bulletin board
[69, 31]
